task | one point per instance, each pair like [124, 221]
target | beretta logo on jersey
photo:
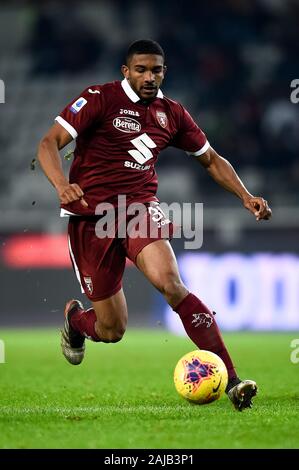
[126, 124]
[78, 105]
[162, 118]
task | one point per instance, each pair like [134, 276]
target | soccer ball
[200, 377]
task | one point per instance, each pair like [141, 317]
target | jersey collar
[131, 93]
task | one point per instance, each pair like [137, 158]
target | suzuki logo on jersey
[126, 124]
[162, 119]
[78, 105]
[136, 166]
[141, 153]
[128, 111]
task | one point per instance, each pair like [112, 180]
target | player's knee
[173, 289]
[117, 336]
[112, 336]
[110, 333]
[171, 286]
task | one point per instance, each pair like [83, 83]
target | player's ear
[125, 71]
[164, 69]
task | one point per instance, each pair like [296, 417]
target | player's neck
[146, 102]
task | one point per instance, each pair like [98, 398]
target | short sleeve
[83, 111]
[189, 136]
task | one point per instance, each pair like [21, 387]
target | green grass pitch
[122, 395]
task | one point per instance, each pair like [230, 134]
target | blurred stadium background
[231, 63]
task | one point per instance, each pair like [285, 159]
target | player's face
[145, 73]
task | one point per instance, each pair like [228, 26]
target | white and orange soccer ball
[200, 377]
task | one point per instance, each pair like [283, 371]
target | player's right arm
[49, 158]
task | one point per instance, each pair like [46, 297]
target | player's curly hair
[144, 46]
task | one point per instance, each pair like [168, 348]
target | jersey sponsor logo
[142, 145]
[78, 105]
[162, 119]
[93, 91]
[126, 124]
[88, 283]
[129, 112]
[136, 166]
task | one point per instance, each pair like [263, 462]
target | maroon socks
[198, 321]
[83, 321]
[202, 329]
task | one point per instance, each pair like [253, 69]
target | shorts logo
[78, 105]
[126, 124]
[162, 119]
[158, 216]
[88, 283]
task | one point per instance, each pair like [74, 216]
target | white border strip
[65, 213]
[129, 91]
[2, 91]
[65, 411]
[75, 265]
[200, 151]
[67, 126]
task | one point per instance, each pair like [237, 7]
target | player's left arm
[224, 174]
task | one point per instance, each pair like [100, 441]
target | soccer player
[120, 129]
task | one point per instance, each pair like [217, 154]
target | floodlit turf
[122, 395]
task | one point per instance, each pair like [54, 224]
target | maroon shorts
[98, 260]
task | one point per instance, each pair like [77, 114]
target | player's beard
[148, 93]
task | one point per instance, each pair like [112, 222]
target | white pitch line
[91, 409]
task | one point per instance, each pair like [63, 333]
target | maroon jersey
[118, 142]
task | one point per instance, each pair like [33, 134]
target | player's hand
[71, 192]
[258, 207]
